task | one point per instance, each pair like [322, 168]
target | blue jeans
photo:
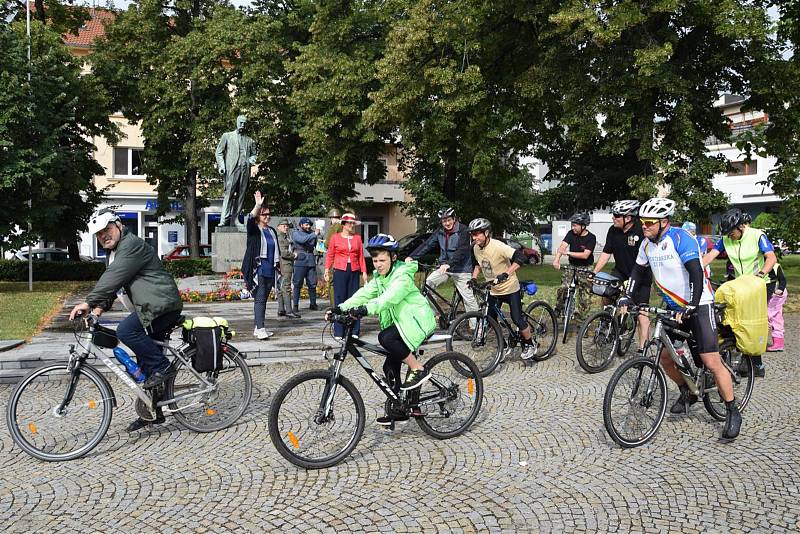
[261, 295]
[309, 274]
[345, 285]
[149, 355]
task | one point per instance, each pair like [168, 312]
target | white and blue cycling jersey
[666, 259]
[703, 242]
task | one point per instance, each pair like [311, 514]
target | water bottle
[680, 350]
[130, 365]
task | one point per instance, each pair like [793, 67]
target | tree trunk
[73, 250]
[190, 214]
[40, 13]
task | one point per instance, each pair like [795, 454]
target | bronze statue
[236, 153]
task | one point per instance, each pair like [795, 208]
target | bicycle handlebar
[342, 318]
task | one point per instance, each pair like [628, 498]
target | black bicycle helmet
[731, 219]
[581, 218]
[747, 218]
[446, 212]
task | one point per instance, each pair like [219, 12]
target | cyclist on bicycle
[145, 288]
[750, 252]
[623, 241]
[674, 258]
[500, 261]
[578, 245]
[455, 261]
[406, 319]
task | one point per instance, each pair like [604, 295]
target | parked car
[532, 254]
[181, 252]
[47, 254]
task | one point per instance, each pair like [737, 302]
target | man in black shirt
[578, 245]
[623, 241]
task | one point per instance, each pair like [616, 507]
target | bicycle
[313, 426]
[62, 411]
[639, 385]
[485, 343]
[446, 311]
[608, 332]
[565, 307]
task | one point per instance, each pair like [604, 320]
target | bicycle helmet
[747, 218]
[446, 212]
[689, 226]
[657, 208]
[731, 219]
[581, 218]
[479, 224]
[382, 242]
[626, 207]
[100, 219]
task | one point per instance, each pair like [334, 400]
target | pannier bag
[606, 285]
[206, 335]
[746, 312]
[528, 286]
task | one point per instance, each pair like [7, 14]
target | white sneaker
[528, 352]
[262, 333]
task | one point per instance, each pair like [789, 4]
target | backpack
[746, 312]
[206, 335]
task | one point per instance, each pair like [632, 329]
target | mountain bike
[63, 410]
[317, 417]
[608, 332]
[446, 310]
[635, 401]
[480, 337]
[565, 307]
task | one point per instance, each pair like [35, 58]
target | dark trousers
[309, 274]
[345, 285]
[149, 355]
[261, 295]
[398, 351]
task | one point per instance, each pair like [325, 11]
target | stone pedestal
[228, 244]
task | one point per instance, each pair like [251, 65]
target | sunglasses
[650, 222]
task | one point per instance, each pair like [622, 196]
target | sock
[731, 405]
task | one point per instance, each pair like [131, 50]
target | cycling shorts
[514, 301]
[702, 326]
[641, 294]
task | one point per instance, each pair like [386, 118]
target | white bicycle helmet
[100, 219]
[626, 207]
[657, 208]
[479, 224]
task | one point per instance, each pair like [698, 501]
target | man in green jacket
[284, 289]
[146, 289]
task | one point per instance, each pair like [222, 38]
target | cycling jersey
[666, 260]
[703, 242]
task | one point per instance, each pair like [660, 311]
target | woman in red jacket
[346, 256]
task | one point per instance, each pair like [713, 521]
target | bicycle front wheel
[210, 401]
[597, 342]
[480, 338]
[305, 436]
[542, 320]
[450, 401]
[569, 309]
[627, 329]
[635, 402]
[56, 415]
[742, 384]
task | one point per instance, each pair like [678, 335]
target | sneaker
[528, 352]
[354, 336]
[159, 377]
[681, 405]
[281, 314]
[263, 333]
[733, 422]
[385, 420]
[141, 423]
[293, 315]
[415, 379]
[313, 307]
[760, 370]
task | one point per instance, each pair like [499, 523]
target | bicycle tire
[294, 430]
[216, 410]
[447, 380]
[644, 371]
[45, 416]
[544, 328]
[464, 341]
[569, 309]
[742, 385]
[601, 342]
[627, 330]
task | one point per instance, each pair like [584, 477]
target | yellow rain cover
[746, 312]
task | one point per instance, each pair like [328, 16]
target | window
[128, 162]
[742, 168]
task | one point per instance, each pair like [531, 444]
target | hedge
[188, 267]
[17, 271]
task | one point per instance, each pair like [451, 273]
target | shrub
[17, 271]
[189, 267]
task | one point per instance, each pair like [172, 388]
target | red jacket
[338, 253]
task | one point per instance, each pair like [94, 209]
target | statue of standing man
[236, 153]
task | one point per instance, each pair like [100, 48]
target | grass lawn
[22, 313]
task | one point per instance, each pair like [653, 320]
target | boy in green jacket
[406, 319]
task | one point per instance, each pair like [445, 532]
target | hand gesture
[259, 198]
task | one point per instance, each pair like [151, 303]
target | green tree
[46, 127]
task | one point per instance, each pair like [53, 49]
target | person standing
[260, 263]
[578, 245]
[334, 227]
[345, 256]
[284, 283]
[777, 279]
[304, 240]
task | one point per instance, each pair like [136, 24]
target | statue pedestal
[228, 245]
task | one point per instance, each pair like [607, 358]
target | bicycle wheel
[742, 385]
[451, 399]
[597, 342]
[635, 402]
[627, 330]
[216, 404]
[569, 309]
[50, 429]
[300, 435]
[483, 342]
[542, 320]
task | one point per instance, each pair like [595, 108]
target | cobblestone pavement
[537, 459]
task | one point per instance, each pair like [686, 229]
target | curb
[10, 344]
